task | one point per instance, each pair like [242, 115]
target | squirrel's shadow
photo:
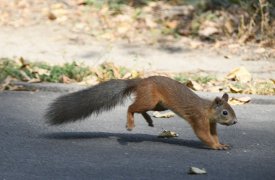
[124, 138]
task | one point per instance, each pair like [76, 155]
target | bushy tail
[81, 104]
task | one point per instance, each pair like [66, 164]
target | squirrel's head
[222, 112]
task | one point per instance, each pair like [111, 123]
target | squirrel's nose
[234, 122]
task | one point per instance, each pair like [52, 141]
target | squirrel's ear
[217, 101]
[225, 97]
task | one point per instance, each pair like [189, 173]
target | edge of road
[66, 88]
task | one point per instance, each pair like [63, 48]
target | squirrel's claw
[221, 147]
[151, 124]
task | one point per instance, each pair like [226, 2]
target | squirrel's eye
[224, 112]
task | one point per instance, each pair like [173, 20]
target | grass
[183, 78]
[79, 73]
[201, 79]
[43, 72]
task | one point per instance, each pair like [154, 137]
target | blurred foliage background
[245, 20]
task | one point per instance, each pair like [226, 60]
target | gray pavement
[100, 147]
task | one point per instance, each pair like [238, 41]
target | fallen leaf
[25, 76]
[229, 26]
[268, 43]
[5, 83]
[244, 99]
[172, 24]
[51, 16]
[194, 85]
[157, 114]
[260, 50]
[234, 89]
[81, 2]
[123, 29]
[239, 101]
[208, 28]
[40, 71]
[23, 63]
[195, 44]
[65, 79]
[150, 22]
[134, 74]
[195, 170]
[167, 134]
[89, 80]
[246, 37]
[234, 46]
[240, 74]
[127, 75]
[35, 80]
[208, 31]
[99, 73]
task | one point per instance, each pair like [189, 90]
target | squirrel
[155, 93]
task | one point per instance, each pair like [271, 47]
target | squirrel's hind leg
[141, 105]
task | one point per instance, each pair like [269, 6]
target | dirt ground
[40, 39]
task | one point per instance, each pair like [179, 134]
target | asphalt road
[101, 148]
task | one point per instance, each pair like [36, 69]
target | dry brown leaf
[25, 76]
[240, 74]
[172, 24]
[260, 50]
[89, 80]
[123, 29]
[229, 26]
[234, 89]
[157, 114]
[150, 22]
[127, 75]
[40, 71]
[244, 99]
[208, 31]
[208, 28]
[51, 16]
[239, 101]
[134, 74]
[98, 73]
[65, 79]
[167, 134]
[5, 83]
[245, 37]
[194, 85]
[234, 46]
[268, 43]
[195, 44]
[116, 71]
[23, 63]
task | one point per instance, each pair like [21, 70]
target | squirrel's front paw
[151, 124]
[221, 147]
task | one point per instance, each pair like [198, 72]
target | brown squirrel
[155, 93]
